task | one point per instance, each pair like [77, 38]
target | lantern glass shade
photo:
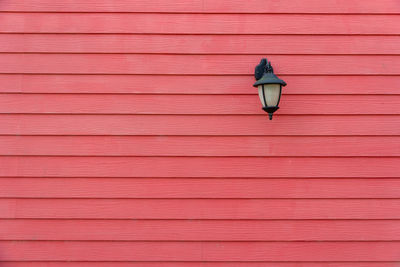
[269, 94]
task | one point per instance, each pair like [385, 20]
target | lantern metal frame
[264, 74]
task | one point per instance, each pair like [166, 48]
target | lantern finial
[268, 68]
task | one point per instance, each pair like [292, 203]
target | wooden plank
[200, 230]
[198, 188]
[198, 125]
[193, 264]
[346, 146]
[196, 64]
[206, 6]
[197, 23]
[198, 167]
[178, 84]
[200, 251]
[200, 209]
[199, 44]
[204, 104]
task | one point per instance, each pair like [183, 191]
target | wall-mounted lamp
[269, 87]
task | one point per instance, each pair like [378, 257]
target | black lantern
[269, 87]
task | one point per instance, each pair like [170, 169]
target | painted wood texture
[198, 167]
[270, 146]
[194, 84]
[183, 104]
[214, 188]
[200, 251]
[209, 209]
[15, 22]
[207, 6]
[196, 64]
[197, 264]
[131, 135]
[199, 44]
[204, 230]
[232, 125]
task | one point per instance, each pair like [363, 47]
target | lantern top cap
[264, 74]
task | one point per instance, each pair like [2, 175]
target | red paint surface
[196, 64]
[206, 6]
[131, 135]
[198, 23]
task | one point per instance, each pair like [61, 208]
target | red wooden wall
[131, 135]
